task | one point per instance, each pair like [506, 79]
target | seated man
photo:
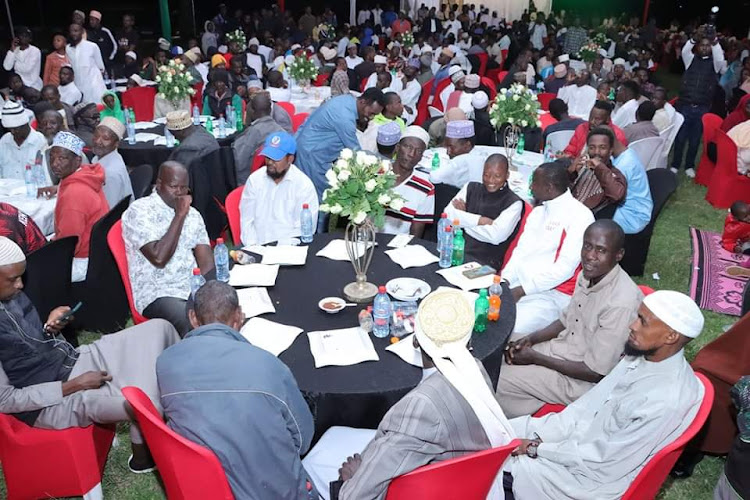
[454, 95]
[599, 443]
[274, 195]
[665, 112]
[195, 142]
[277, 87]
[20, 144]
[247, 143]
[69, 92]
[563, 361]
[20, 228]
[80, 197]
[86, 117]
[437, 127]
[381, 66]
[644, 126]
[165, 239]
[627, 104]
[542, 270]
[595, 182]
[45, 382]
[414, 186]
[580, 96]
[600, 115]
[489, 213]
[634, 214]
[259, 397]
[559, 111]
[466, 162]
[392, 111]
[388, 136]
[107, 137]
[450, 413]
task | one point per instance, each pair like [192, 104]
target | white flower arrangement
[237, 36]
[407, 39]
[589, 51]
[174, 82]
[303, 69]
[517, 105]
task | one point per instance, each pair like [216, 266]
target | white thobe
[497, 232]
[452, 27]
[461, 169]
[538, 34]
[626, 114]
[14, 158]
[580, 100]
[353, 62]
[27, 64]
[255, 62]
[272, 212]
[396, 84]
[70, 94]
[409, 98]
[86, 59]
[116, 179]
[594, 449]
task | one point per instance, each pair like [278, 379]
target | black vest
[479, 201]
[699, 82]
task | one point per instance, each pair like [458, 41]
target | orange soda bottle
[495, 302]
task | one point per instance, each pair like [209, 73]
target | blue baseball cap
[278, 145]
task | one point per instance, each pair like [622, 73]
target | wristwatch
[531, 449]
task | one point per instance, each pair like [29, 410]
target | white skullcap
[480, 100]
[677, 310]
[10, 252]
[563, 58]
[253, 41]
[417, 132]
[131, 55]
[619, 61]
[380, 60]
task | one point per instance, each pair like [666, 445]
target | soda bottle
[196, 115]
[446, 249]
[442, 224]
[221, 261]
[238, 121]
[306, 224]
[210, 126]
[196, 281]
[496, 290]
[481, 306]
[435, 160]
[458, 248]
[381, 313]
[521, 144]
[456, 225]
[28, 178]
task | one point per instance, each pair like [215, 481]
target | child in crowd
[736, 236]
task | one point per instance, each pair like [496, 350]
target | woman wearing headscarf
[219, 95]
[740, 114]
[112, 106]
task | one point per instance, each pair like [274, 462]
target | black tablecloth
[360, 395]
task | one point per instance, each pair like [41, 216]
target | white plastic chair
[645, 148]
[669, 134]
[657, 159]
[558, 141]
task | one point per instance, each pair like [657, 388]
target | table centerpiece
[302, 71]
[513, 110]
[174, 90]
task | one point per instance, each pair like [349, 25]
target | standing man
[24, 59]
[107, 137]
[696, 95]
[86, 59]
[102, 37]
[127, 36]
[538, 32]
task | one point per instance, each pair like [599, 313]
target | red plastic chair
[298, 120]
[321, 80]
[197, 98]
[727, 186]
[483, 59]
[547, 120]
[43, 463]
[673, 101]
[711, 124]
[547, 409]
[363, 84]
[647, 290]
[526, 211]
[422, 112]
[545, 98]
[436, 102]
[492, 74]
[288, 107]
[491, 86]
[100, 107]
[33, 124]
[189, 471]
[141, 99]
[232, 207]
[501, 76]
[504, 54]
[469, 477]
[117, 247]
[258, 160]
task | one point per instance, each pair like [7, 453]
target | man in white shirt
[253, 58]
[88, 66]
[627, 98]
[24, 59]
[411, 93]
[542, 270]
[596, 446]
[363, 17]
[107, 137]
[274, 195]
[457, 93]
[538, 32]
[277, 87]
[381, 66]
[70, 94]
[352, 59]
[451, 26]
[665, 112]
[580, 97]
[465, 163]
[20, 145]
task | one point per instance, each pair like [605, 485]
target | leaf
[352, 188]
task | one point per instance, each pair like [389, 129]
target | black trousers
[171, 309]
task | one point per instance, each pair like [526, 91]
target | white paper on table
[256, 249]
[12, 187]
[255, 301]
[405, 350]
[336, 250]
[270, 336]
[412, 256]
[400, 240]
[253, 275]
[344, 347]
[285, 255]
[455, 277]
[162, 141]
[144, 125]
[146, 137]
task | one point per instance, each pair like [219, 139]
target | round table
[360, 395]
[41, 210]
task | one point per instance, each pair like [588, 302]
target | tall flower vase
[360, 245]
[511, 135]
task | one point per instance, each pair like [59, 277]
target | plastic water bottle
[442, 224]
[521, 144]
[130, 126]
[221, 260]
[112, 84]
[496, 291]
[435, 160]
[28, 177]
[446, 249]
[229, 113]
[306, 224]
[481, 307]
[222, 127]
[169, 138]
[39, 178]
[381, 313]
[196, 281]
[458, 248]
[365, 319]
[196, 115]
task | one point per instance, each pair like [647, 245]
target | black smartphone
[479, 272]
[65, 317]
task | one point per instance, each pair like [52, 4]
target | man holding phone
[47, 383]
[24, 59]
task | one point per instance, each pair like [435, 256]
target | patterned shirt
[147, 220]
[19, 227]
[339, 83]
[419, 203]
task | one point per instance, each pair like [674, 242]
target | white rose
[502, 97]
[359, 218]
[336, 209]
[169, 79]
[527, 107]
[324, 207]
[370, 160]
[510, 120]
[176, 88]
[325, 195]
[524, 123]
[331, 178]
[347, 154]
[502, 91]
[344, 175]
[342, 165]
[371, 185]
[397, 204]
[534, 97]
[493, 122]
[360, 157]
[385, 165]
[383, 199]
[516, 97]
[158, 78]
[538, 123]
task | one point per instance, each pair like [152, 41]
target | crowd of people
[618, 363]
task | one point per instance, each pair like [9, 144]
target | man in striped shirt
[413, 184]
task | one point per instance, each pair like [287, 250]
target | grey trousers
[130, 358]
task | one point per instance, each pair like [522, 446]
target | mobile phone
[65, 317]
[479, 272]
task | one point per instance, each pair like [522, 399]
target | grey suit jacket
[431, 423]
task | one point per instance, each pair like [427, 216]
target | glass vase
[360, 245]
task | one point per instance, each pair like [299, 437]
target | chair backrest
[363, 84]
[469, 477]
[288, 107]
[558, 141]
[140, 178]
[490, 86]
[513, 244]
[711, 124]
[646, 290]
[232, 206]
[141, 99]
[321, 79]
[645, 148]
[298, 120]
[544, 99]
[662, 183]
[47, 277]
[670, 136]
[422, 103]
[258, 160]
[117, 246]
[726, 161]
[501, 76]
[648, 482]
[437, 103]
[657, 157]
[483, 59]
[189, 471]
[99, 253]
